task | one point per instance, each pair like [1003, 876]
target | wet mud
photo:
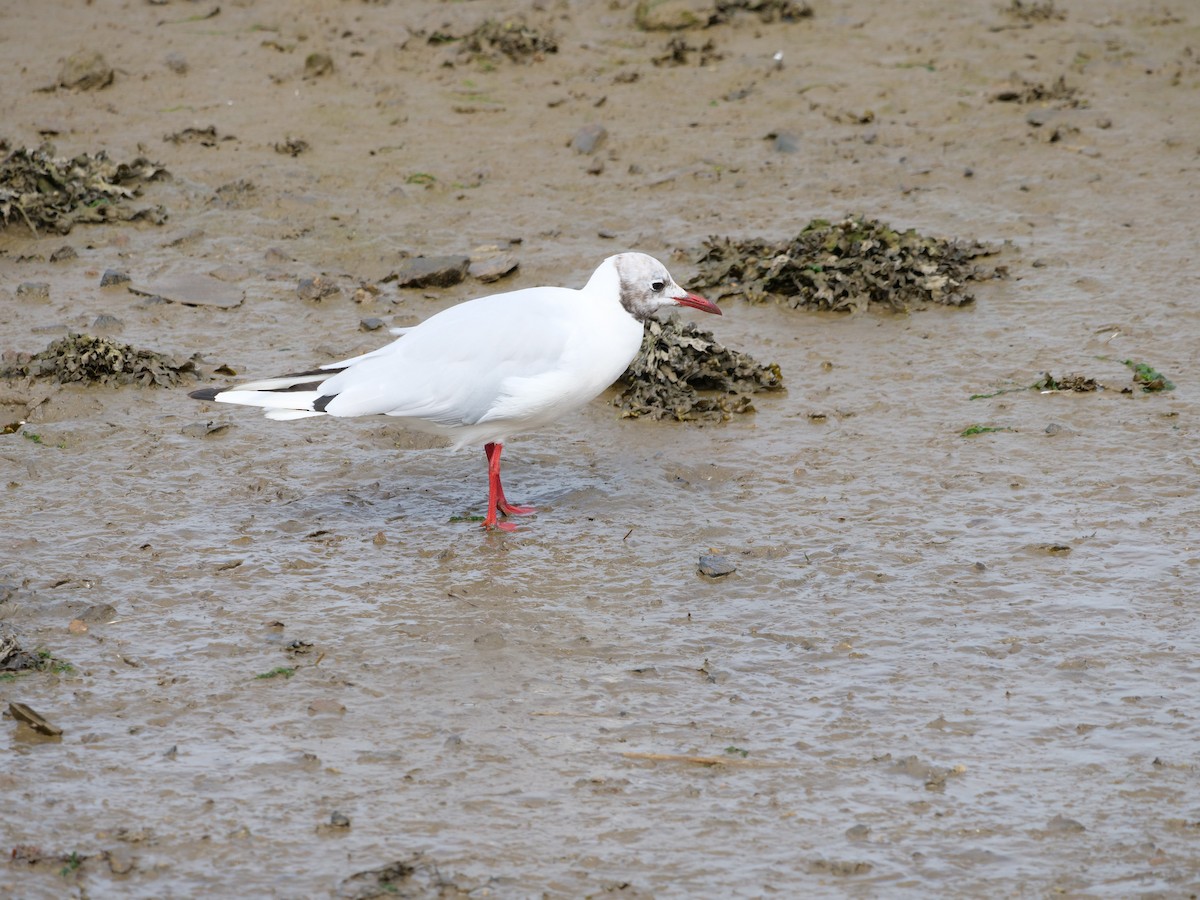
[922, 624]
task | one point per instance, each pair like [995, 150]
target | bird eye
[658, 286]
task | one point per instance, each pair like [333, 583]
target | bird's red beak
[695, 301]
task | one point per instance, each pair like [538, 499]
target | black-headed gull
[489, 368]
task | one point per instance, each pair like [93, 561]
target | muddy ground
[958, 653]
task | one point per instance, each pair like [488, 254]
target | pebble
[370, 324]
[715, 566]
[33, 290]
[317, 65]
[86, 70]
[99, 614]
[113, 277]
[120, 861]
[316, 288]
[589, 139]
[431, 271]
[785, 142]
[672, 15]
[490, 263]
[1063, 825]
[106, 324]
[33, 719]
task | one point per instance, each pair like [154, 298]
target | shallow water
[944, 665]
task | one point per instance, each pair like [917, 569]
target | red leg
[496, 499]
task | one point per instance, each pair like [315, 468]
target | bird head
[646, 287]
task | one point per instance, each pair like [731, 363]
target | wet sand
[945, 665]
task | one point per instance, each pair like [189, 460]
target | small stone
[63, 253]
[365, 293]
[113, 277]
[339, 820]
[492, 268]
[120, 861]
[99, 614]
[316, 288]
[1041, 116]
[33, 290]
[431, 271]
[715, 566]
[1063, 825]
[784, 142]
[106, 324]
[1053, 428]
[672, 15]
[380, 539]
[317, 65]
[858, 832]
[86, 70]
[370, 324]
[588, 139]
[33, 719]
[596, 166]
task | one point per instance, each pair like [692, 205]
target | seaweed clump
[56, 193]
[679, 361]
[515, 40]
[98, 360]
[846, 266]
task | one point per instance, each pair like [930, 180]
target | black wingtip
[205, 394]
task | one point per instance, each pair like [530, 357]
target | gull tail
[295, 396]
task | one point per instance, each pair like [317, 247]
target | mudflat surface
[944, 665]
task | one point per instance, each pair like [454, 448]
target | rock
[370, 324]
[489, 263]
[784, 142]
[316, 288]
[317, 65]
[1063, 825]
[203, 429]
[715, 566]
[672, 15]
[33, 290]
[193, 290]
[589, 138]
[113, 277]
[99, 614]
[33, 719]
[86, 70]
[106, 324]
[431, 271]
[339, 820]
[63, 254]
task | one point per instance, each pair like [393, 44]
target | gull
[489, 368]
